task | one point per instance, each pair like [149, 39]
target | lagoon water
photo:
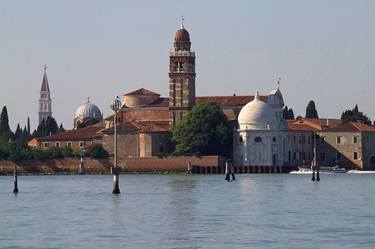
[188, 211]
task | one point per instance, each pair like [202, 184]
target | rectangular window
[355, 140]
[45, 145]
[69, 144]
[57, 144]
[322, 156]
[300, 139]
[274, 139]
[355, 155]
[294, 139]
[81, 144]
[303, 155]
[308, 139]
[338, 140]
[303, 139]
[294, 156]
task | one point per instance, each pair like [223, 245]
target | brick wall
[71, 166]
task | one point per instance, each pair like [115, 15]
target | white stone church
[262, 136]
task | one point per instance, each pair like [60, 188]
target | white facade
[262, 136]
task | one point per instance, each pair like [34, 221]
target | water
[182, 211]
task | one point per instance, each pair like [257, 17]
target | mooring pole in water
[227, 171]
[189, 168]
[313, 165]
[15, 187]
[115, 106]
[317, 174]
[81, 165]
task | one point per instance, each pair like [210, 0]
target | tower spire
[45, 101]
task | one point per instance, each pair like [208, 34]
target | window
[294, 156]
[308, 139]
[303, 139]
[300, 139]
[303, 155]
[69, 144]
[240, 139]
[322, 156]
[274, 139]
[338, 140]
[258, 139]
[81, 144]
[355, 140]
[355, 155]
[57, 144]
[294, 139]
[45, 145]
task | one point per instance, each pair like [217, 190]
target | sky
[322, 50]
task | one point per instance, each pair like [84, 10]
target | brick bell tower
[181, 77]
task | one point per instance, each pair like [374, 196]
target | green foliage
[61, 129]
[311, 111]
[288, 113]
[88, 123]
[203, 131]
[97, 151]
[46, 127]
[354, 115]
[17, 133]
[4, 121]
[68, 152]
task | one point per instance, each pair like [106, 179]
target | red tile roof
[87, 133]
[228, 100]
[142, 91]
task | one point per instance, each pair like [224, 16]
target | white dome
[258, 115]
[88, 110]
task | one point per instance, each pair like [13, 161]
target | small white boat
[361, 172]
[334, 169]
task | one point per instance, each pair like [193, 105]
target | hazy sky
[322, 50]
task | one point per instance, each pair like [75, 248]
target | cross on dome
[182, 22]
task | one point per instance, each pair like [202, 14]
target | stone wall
[91, 166]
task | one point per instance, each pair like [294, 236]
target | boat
[322, 169]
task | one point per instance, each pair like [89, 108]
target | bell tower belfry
[45, 101]
[181, 76]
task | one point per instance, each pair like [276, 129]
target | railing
[182, 53]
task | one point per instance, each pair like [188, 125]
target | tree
[311, 111]
[61, 129]
[203, 131]
[28, 125]
[354, 115]
[46, 127]
[97, 151]
[4, 121]
[18, 132]
[288, 113]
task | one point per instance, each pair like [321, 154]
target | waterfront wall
[92, 166]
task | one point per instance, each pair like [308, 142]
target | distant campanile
[45, 101]
[181, 76]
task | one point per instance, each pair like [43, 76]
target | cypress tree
[17, 133]
[28, 125]
[311, 111]
[4, 121]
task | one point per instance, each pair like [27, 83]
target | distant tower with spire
[45, 101]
